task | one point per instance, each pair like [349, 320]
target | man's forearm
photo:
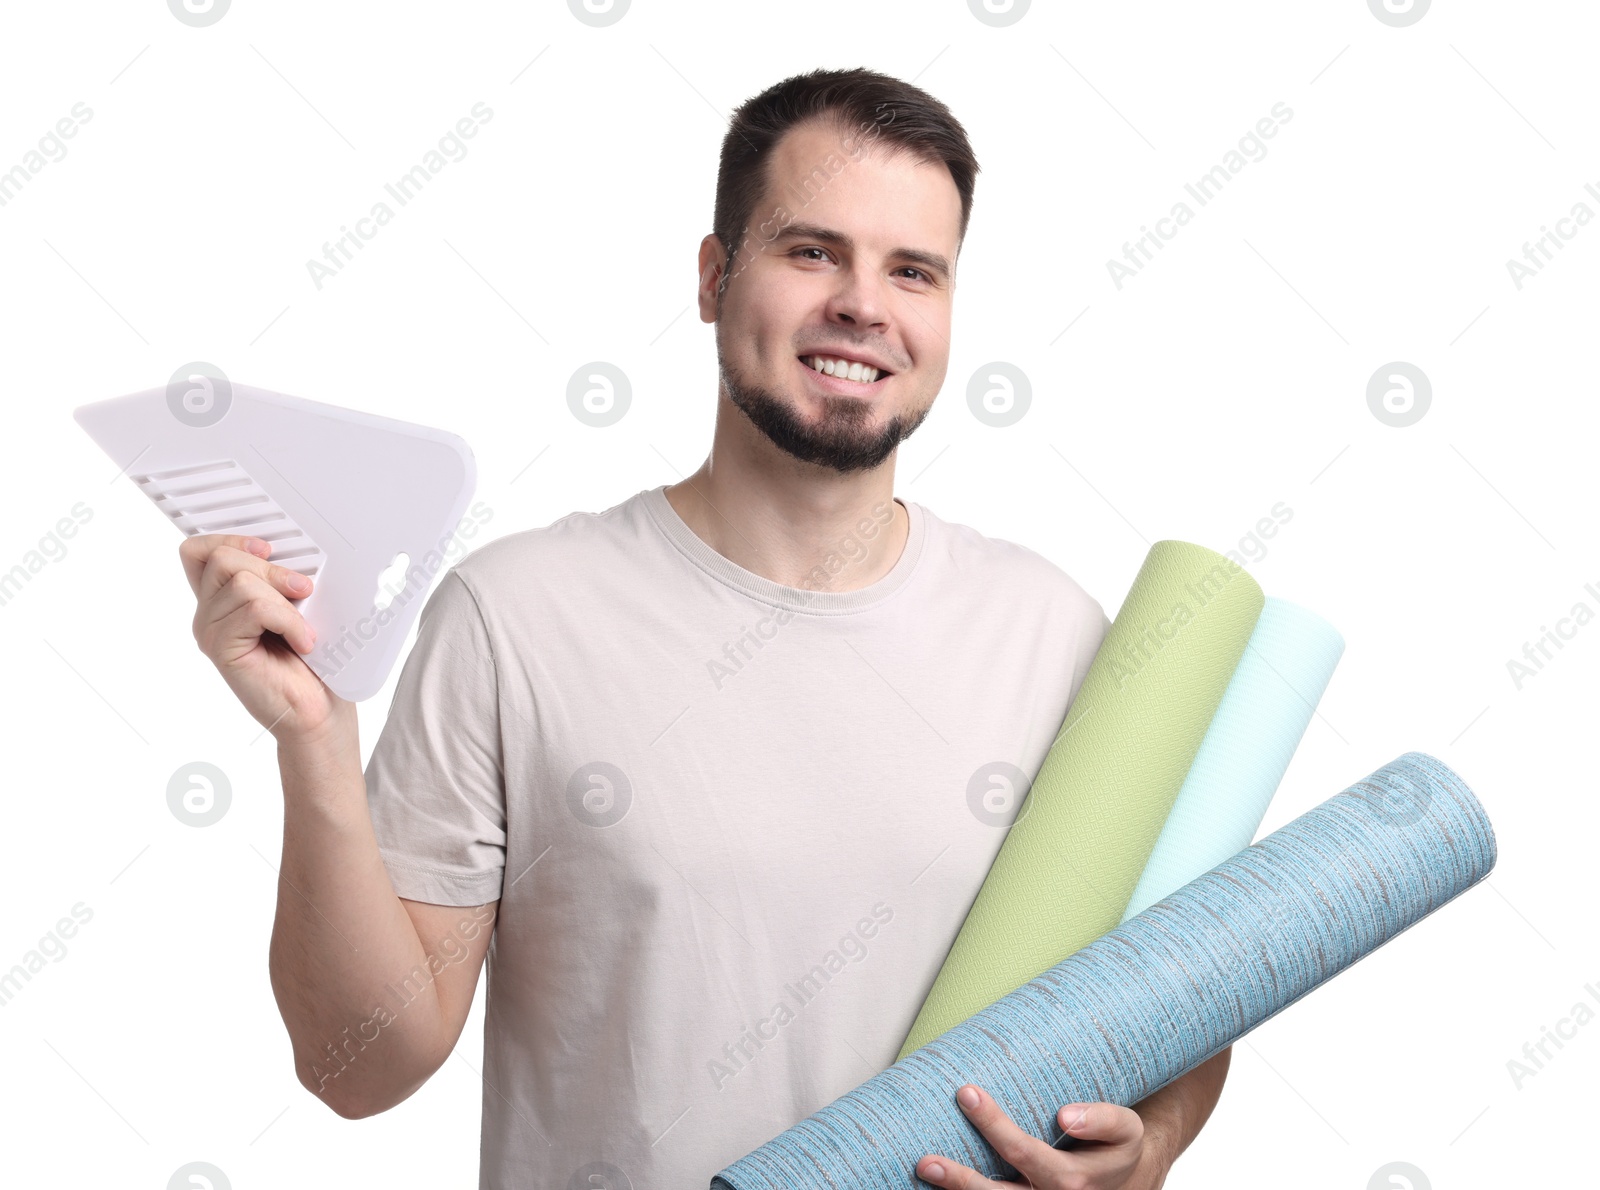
[339, 933]
[1174, 1115]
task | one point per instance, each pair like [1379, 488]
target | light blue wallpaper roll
[1163, 991]
[1263, 714]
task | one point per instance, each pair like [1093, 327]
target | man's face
[862, 271]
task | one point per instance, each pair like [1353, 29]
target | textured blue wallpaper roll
[1163, 991]
[1263, 714]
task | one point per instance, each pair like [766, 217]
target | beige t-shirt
[733, 826]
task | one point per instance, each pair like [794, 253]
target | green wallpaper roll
[1082, 836]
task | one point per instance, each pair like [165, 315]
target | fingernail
[968, 1097]
[299, 582]
[1075, 1121]
[936, 1171]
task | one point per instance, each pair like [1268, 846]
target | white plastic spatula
[364, 505]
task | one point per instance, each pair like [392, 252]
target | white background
[1229, 375]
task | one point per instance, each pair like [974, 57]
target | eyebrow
[931, 261]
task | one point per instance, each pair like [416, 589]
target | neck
[785, 522]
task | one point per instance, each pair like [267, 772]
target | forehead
[852, 179]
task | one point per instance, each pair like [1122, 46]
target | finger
[1107, 1123]
[242, 610]
[242, 589]
[942, 1171]
[1026, 1152]
[223, 554]
[237, 634]
[196, 551]
[225, 562]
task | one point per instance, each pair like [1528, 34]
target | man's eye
[811, 249]
[909, 269]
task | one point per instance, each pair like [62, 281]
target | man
[694, 771]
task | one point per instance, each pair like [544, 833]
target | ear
[713, 260]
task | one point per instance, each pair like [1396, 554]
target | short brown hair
[902, 117]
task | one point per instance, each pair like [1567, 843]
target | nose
[861, 300]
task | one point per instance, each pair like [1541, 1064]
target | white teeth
[848, 369]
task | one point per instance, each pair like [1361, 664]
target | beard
[843, 440]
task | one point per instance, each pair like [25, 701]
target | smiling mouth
[844, 375]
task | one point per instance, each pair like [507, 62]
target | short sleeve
[1089, 642]
[435, 786]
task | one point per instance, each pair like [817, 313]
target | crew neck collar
[800, 599]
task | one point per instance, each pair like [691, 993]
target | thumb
[1107, 1123]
